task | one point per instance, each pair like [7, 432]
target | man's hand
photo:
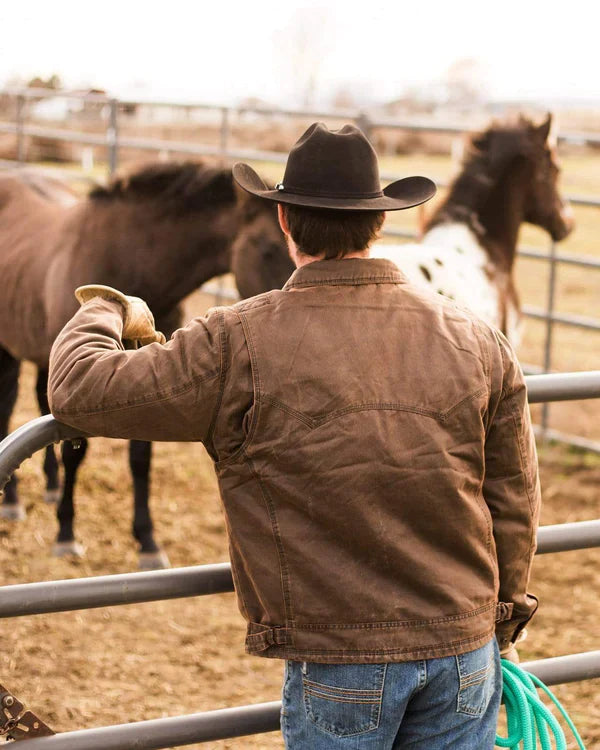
[138, 321]
[510, 653]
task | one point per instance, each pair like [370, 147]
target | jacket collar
[350, 271]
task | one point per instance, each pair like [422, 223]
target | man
[375, 458]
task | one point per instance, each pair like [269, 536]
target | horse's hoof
[68, 549]
[52, 497]
[13, 512]
[154, 560]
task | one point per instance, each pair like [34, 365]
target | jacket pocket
[477, 679]
[343, 699]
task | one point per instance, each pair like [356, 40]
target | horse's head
[530, 149]
[545, 207]
[259, 255]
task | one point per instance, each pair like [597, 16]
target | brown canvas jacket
[374, 452]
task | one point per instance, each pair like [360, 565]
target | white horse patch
[450, 261]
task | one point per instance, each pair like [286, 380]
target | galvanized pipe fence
[113, 141]
[102, 591]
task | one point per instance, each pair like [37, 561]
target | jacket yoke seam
[469, 397]
[314, 422]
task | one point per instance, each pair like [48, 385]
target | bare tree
[301, 50]
[466, 82]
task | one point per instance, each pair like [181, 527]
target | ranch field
[121, 664]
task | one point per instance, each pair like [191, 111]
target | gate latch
[18, 723]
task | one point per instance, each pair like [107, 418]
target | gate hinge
[18, 723]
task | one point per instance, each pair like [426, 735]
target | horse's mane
[487, 155]
[490, 150]
[177, 186]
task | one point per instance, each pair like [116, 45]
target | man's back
[360, 477]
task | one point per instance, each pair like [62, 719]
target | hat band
[324, 194]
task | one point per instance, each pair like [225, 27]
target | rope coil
[529, 721]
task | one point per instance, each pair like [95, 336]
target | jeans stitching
[347, 691]
[336, 699]
[325, 726]
[473, 679]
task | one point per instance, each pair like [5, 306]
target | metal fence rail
[226, 723]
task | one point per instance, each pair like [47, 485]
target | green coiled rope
[528, 719]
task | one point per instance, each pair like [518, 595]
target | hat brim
[405, 193]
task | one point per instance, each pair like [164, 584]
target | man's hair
[332, 233]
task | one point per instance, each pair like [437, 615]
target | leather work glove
[138, 321]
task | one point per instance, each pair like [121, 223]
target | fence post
[364, 123]
[112, 137]
[20, 124]
[224, 141]
[549, 330]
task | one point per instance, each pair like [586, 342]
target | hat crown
[332, 163]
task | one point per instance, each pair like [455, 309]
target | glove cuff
[87, 292]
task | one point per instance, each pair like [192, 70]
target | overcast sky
[225, 51]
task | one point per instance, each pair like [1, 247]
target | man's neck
[300, 259]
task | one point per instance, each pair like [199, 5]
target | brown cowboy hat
[336, 169]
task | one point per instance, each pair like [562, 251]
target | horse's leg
[65, 543]
[140, 453]
[9, 386]
[52, 494]
[151, 555]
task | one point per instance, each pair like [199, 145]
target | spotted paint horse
[509, 176]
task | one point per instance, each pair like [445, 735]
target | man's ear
[282, 220]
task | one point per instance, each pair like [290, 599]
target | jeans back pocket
[477, 679]
[343, 699]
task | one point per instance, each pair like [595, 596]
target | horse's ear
[481, 141]
[543, 131]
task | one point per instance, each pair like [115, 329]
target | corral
[150, 660]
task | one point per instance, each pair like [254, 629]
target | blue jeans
[433, 704]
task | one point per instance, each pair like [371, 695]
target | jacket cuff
[508, 631]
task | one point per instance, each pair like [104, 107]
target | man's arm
[158, 392]
[512, 492]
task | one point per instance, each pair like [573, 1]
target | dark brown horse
[509, 176]
[158, 234]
